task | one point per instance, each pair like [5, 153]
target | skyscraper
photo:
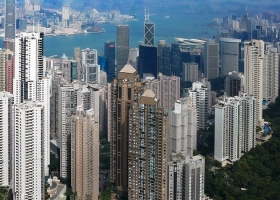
[229, 54]
[2, 70]
[190, 72]
[253, 74]
[186, 177]
[6, 132]
[10, 70]
[211, 60]
[176, 59]
[147, 145]
[28, 151]
[124, 92]
[166, 89]
[164, 51]
[90, 67]
[271, 74]
[234, 83]
[85, 155]
[235, 127]
[149, 30]
[182, 127]
[147, 61]
[109, 52]
[29, 81]
[122, 50]
[10, 20]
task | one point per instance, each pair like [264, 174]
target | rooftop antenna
[147, 15]
[246, 10]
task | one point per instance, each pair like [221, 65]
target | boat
[54, 35]
[167, 17]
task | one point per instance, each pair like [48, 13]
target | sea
[167, 27]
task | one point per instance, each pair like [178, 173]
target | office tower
[163, 52]
[133, 57]
[77, 57]
[85, 155]
[229, 54]
[253, 74]
[6, 131]
[10, 70]
[147, 61]
[199, 94]
[190, 72]
[65, 67]
[211, 60]
[176, 59]
[122, 49]
[2, 70]
[74, 70]
[270, 74]
[65, 16]
[102, 61]
[166, 89]
[109, 52]
[182, 127]
[90, 67]
[124, 92]
[149, 30]
[234, 83]
[28, 151]
[10, 20]
[29, 82]
[186, 177]
[235, 127]
[147, 145]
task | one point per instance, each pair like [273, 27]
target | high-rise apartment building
[10, 20]
[109, 52]
[77, 58]
[234, 83]
[147, 61]
[85, 155]
[253, 74]
[235, 127]
[10, 70]
[200, 94]
[270, 74]
[90, 67]
[28, 151]
[186, 177]
[122, 49]
[190, 72]
[147, 149]
[166, 89]
[149, 31]
[211, 60]
[182, 127]
[125, 90]
[6, 131]
[2, 70]
[29, 81]
[229, 54]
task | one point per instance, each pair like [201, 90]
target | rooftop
[148, 93]
[128, 69]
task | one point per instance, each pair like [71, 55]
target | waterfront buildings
[147, 149]
[122, 48]
[186, 177]
[6, 141]
[190, 72]
[234, 83]
[166, 89]
[270, 73]
[182, 127]
[85, 155]
[235, 127]
[28, 151]
[229, 54]
[253, 74]
[125, 90]
[164, 51]
[211, 60]
[10, 20]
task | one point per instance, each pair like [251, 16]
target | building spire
[147, 14]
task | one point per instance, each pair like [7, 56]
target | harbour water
[177, 25]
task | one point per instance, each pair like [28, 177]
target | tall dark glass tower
[10, 20]
[147, 62]
[149, 30]
[109, 52]
[122, 46]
